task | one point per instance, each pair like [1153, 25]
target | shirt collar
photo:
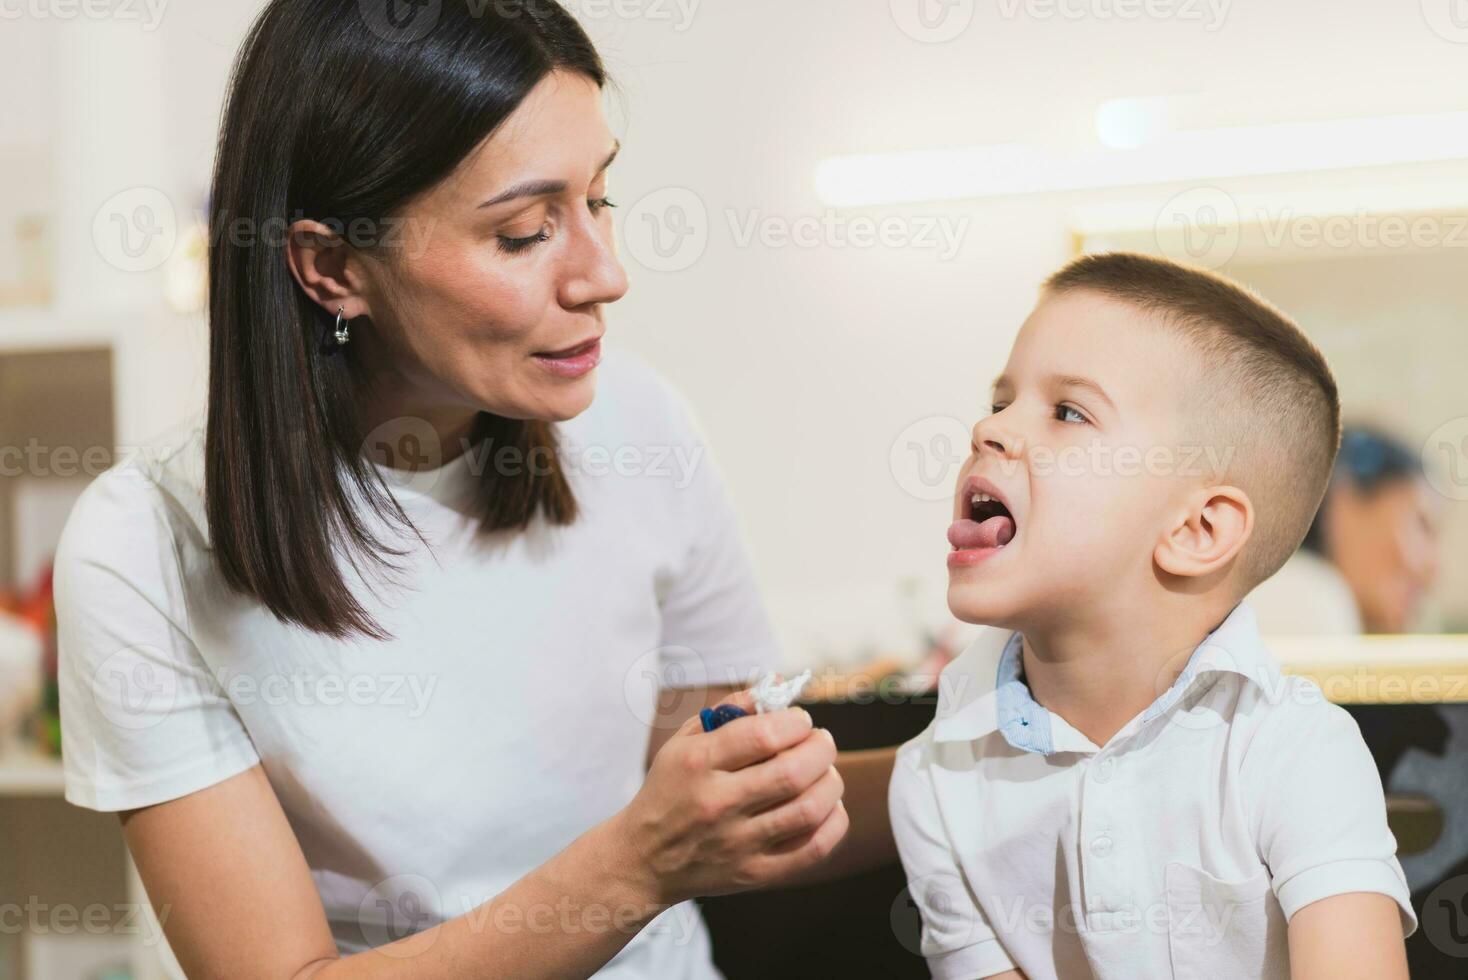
[984, 691]
[1018, 716]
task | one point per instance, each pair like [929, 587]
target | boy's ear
[1208, 534]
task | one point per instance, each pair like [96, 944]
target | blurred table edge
[1379, 669]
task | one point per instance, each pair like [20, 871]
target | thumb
[692, 726]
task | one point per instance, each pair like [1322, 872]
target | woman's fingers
[745, 805]
[787, 775]
[745, 741]
[801, 815]
[795, 855]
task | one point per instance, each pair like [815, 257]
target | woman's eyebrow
[541, 188]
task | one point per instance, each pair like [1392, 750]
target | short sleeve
[957, 940]
[716, 630]
[1320, 811]
[143, 720]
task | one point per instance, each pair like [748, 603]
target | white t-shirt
[1181, 847]
[510, 712]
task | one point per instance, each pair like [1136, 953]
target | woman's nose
[593, 272]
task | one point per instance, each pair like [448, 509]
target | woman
[1372, 552]
[378, 658]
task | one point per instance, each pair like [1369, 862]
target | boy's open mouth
[989, 524]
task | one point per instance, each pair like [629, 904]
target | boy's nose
[991, 435]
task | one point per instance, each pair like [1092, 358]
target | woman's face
[492, 298]
[1385, 543]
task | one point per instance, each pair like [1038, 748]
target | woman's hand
[747, 805]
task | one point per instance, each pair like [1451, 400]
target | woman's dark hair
[1369, 460]
[342, 111]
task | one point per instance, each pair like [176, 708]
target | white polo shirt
[1180, 848]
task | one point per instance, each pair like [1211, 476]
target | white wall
[806, 364]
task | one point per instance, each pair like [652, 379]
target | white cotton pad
[769, 695]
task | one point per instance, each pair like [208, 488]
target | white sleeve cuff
[982, 959]
[1341, 877]
[109, 796]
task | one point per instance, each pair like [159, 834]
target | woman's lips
[573, 362]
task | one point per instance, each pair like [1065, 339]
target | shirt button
[1105, 769]
[1101, 846]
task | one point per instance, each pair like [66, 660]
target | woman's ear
[1208, 534]
[326, 269]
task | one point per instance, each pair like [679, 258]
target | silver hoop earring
[342, 325]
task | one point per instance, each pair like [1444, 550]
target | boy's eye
[599, 203]
[1069, 413]
[996, 408]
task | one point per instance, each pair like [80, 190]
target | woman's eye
[513, 245]
[1067, 413]
[996, 409]
[597, 204]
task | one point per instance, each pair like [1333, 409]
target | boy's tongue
[991, 533]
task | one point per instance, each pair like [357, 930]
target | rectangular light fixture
[1008, 169]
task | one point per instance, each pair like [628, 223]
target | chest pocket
[1218, 928]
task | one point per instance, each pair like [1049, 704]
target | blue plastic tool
[712, 718]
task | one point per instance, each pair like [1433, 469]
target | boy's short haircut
[1262, 391]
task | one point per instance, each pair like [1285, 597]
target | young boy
[1121, 784]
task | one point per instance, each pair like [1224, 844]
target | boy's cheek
[1077, 508]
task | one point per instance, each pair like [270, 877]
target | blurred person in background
[1372, 552]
